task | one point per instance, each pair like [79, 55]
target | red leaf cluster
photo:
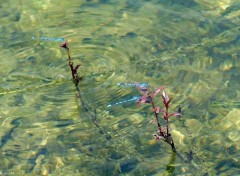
[64, 45]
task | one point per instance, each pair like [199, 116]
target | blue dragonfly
[144, 84]
[48, 39]
[132, 98]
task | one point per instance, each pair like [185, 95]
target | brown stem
[168, 138]
[170, 141]
[167, 120]
[156, 117]
[156, 114]
[73, 71]
[90, 112]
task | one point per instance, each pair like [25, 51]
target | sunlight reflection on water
[189, 46]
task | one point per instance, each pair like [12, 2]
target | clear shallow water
[192, 47]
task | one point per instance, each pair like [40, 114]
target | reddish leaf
[165, 116]
[165, 95]
[64, 45]
[167, 105]
[77, 66]
[177, 114]
[158, 109]
[143, 99]
[75, 69]
[158, 90]
[164, 100]
[157, 137]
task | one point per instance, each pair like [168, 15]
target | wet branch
[76, 79]
[162, 132]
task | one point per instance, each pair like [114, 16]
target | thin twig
[76, 78]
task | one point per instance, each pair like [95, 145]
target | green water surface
[190, 46]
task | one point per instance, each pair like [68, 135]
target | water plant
[163, 132]
[74, 69]
[90, 111]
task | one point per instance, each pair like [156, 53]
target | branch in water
[76, 79]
